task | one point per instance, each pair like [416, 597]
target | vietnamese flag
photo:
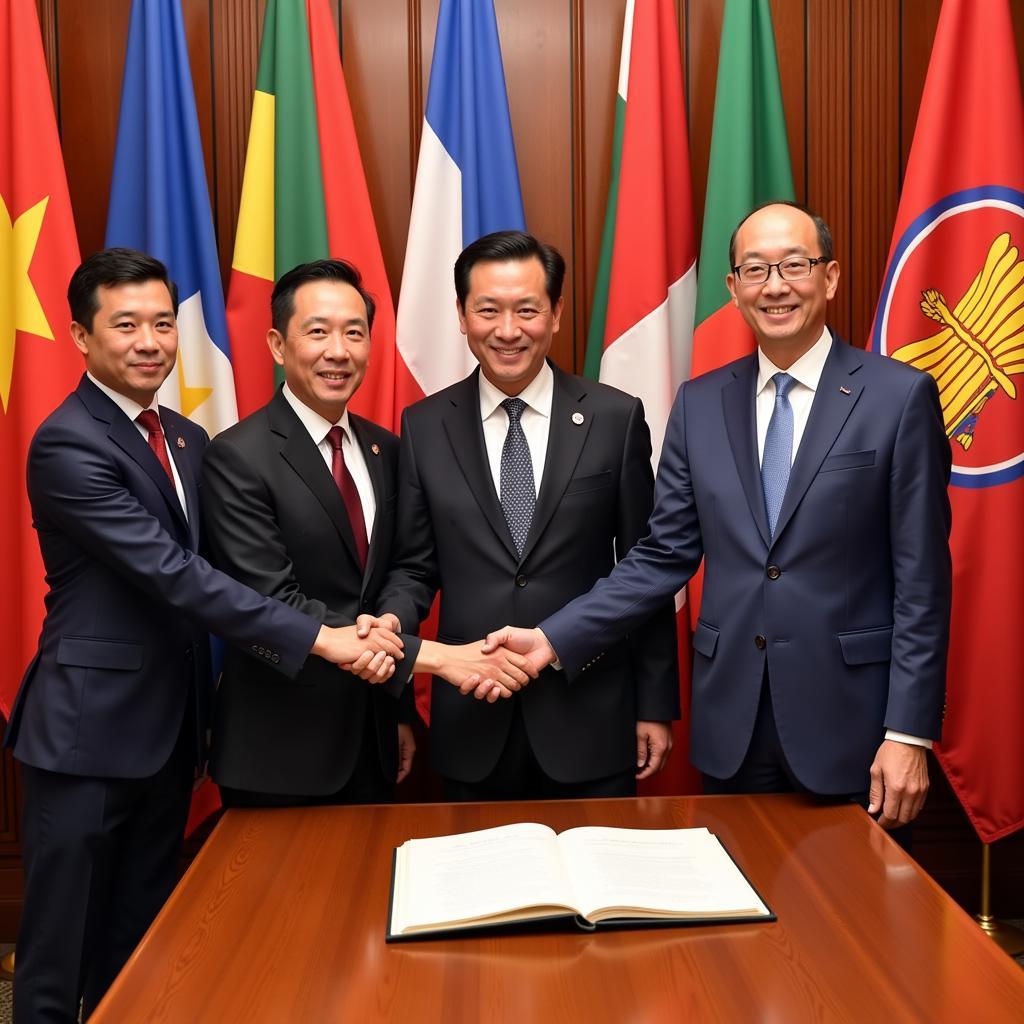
[304, 197]
[39, 365]
[641, 321]
[952, 304]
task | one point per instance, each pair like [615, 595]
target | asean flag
[952, 304]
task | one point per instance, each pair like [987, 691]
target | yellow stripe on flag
[254, 239]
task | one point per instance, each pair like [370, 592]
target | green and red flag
[952, 305]
[39, 365]
[304, 197]
[749, 165]
[642, 317]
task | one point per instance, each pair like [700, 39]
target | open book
[528, 873]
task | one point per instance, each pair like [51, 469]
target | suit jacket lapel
[829, 411]
[465, 433]
[304, 457]
[176, 447]
[375, 468]
[738, 408]
[565, 443]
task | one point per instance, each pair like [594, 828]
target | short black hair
[282, 300]
[824, 232]
[107, 269]
[503, 246]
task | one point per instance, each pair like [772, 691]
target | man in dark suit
[811, 477]
[518, 487]
[299, 504]
[110, 718]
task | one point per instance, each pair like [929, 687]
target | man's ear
[78, 336]
[462, 317]
[275, 342]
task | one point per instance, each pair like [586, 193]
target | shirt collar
[317, 427]
[538, 394]
[127, 405]
[806, 370]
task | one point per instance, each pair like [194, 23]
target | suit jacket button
[520, 580]
[760, 643]
[774, 572]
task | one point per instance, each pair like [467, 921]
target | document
[527, 872]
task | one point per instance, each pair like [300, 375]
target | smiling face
[509, 321]
[787, 317]
[326, 348]
[133, 339]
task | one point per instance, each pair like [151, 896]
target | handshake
[498, 666]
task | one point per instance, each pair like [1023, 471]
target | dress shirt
[131, 409]
[806, 373]
[355, 462]
[535, 420]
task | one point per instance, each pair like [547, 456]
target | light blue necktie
[778, 450]
[518, 495]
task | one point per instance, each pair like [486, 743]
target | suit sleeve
[920, 521]
[412, 582]
[79, 490]
[656, 567]
[652, 644]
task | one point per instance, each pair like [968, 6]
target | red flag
[38, 362]
[952, 304]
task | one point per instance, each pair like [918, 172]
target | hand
[372, 658]
[531, 643]
[406, 750]
[467, 667]
[653, 746]
[387, 621]
[899, 783]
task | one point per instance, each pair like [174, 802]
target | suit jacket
[594, 500]
[130, 601]
[847, 606]
[276, 521]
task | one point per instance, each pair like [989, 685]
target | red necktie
[151, 423]
[349, 493]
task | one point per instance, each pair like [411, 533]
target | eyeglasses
[795, 268]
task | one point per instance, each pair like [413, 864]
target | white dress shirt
[806, 372]
[535, 421]
[131, 409]
[318, 429]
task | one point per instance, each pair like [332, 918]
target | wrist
[429, 658]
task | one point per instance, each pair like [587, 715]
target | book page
[449, 880]
[659, 872]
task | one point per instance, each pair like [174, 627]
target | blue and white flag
[467, 185]
[160, 204]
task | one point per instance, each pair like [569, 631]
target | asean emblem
[953, 306]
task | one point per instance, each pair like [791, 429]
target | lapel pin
[577, 418]
[845, 391]
[375, 448]
[180, 442]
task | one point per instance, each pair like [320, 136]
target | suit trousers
[101, 858]
[519, 776]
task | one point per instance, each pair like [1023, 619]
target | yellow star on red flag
[20, 308]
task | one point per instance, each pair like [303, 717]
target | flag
[642, 318]
[952, 304]
[467, 185]
[304, 197]
[749, 165]
[160, 204]
[39, 365]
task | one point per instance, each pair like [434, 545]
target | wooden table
[281, 919]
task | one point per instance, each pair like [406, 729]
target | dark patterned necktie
[349, 493]
[778, 450]
[518, 495]
[150, 422]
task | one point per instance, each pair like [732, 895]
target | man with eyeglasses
[811, 478]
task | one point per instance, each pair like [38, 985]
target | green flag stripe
[749, 161]
[599, 310]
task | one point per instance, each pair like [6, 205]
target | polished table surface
[281, 919]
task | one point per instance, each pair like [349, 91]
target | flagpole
[1007, 937]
